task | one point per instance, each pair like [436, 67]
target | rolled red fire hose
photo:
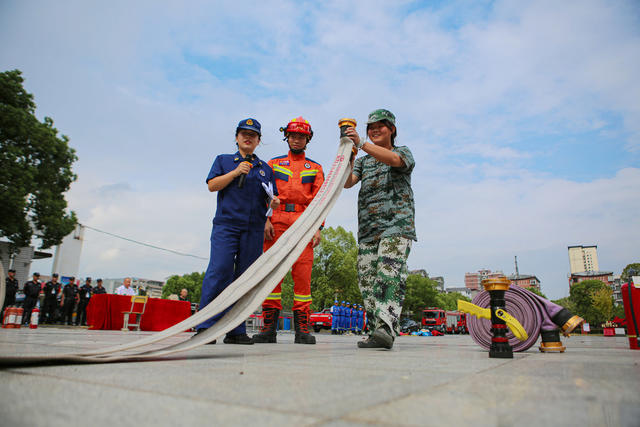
[536, 314]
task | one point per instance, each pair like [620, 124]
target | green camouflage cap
[381, 114]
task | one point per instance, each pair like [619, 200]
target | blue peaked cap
[250, 124]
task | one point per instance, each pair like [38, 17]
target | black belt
[290, 207]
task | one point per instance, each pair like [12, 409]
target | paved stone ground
[439, 381]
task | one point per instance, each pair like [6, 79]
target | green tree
[191, 282]
[603, 303]
[618, 311]
[625, 273]
[566, 303]
[537, 292]
[334, 271]
[35, 170]
[449, 301]
[587, 299]
[421, 292]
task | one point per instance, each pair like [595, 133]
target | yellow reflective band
[309, 172]
[283, 170]
[302, 298]
[274, 296]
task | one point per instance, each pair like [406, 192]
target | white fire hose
[247, 292]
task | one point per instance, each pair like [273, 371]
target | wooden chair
[135, 299]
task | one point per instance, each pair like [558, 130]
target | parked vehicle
[408, 325]
[321, 319]
[456, 322]
[434, 318]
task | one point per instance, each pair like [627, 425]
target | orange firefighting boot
[269, 330]
[301, 323]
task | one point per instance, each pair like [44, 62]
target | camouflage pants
[382, 277]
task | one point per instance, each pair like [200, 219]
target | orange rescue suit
[298, 179]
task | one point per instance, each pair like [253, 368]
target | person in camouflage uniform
[386, 225]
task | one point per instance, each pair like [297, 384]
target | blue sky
[523, 118]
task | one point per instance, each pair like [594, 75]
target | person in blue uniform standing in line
[354, 319]
[343, 313]
[360, 319]
[238, 226]
[346, 318]
[335, 308]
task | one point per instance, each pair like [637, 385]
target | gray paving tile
[422, 381]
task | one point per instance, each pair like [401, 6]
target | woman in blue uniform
[238, 226]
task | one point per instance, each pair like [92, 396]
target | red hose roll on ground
[518, 304]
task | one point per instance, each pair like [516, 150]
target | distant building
[421, 272]
[473, 281]
[603, 276]
[526, 281]
[20, 261]
[583, 259]
[616, 287]
[440, 281]
[464, 291]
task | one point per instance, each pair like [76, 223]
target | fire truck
[456, 322]
[434, 318]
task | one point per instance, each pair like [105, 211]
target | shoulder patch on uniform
[311, 160]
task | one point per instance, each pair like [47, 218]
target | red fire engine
[456, 322]
[434, 318]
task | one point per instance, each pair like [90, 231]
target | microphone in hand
[243, 177]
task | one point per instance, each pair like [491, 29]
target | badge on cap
[250, 122]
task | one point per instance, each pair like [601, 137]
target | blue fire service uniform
[360, 322]
[335, 308]
[346, 317]
[341, 309]
[354, 318]
[238, 229]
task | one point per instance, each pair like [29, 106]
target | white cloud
[471, 85]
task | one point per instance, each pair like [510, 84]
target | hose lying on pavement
[537, 315]
[247, 292]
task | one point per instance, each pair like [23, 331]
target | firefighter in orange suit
[298, 179]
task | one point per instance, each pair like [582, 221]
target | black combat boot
[269, 330]
[301, 323]
[380, 338]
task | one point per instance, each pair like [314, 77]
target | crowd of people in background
[347, 317]
[57, 301]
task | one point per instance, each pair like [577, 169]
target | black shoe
[238, 339]
[269, 331]
[267, 337]
[379, 339]
[199, 331]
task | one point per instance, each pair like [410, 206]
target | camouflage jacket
[385, 201]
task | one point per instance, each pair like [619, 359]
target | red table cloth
[105, 312]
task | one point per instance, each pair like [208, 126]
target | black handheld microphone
[247, 158]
